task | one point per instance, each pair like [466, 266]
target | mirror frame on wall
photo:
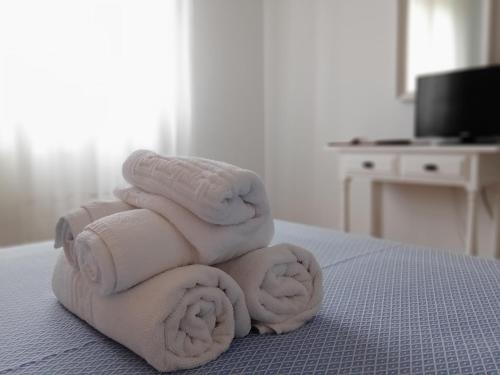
[487, 49]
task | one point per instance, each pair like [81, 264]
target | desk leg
[344, 204]
[470, 238]
[376, 209]
[496, 223]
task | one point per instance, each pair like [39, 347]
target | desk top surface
[441, 149]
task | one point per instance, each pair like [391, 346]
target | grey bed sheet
[389, 309]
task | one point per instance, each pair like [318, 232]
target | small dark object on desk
[356, 141]
[353, 142]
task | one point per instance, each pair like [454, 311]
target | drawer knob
[430, 167]
[368, 164]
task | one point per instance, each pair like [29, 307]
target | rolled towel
[179, 319]
[121, 250]
[71, 224]
[282, 286]
[214, 243]
[216, 192]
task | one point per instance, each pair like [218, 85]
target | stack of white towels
[178, 266]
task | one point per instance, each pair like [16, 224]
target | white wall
[330, 68]
[495, 31]
[290, 76]
[228, 114]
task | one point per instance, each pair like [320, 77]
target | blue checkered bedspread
[389, 309]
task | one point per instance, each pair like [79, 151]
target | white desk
[472, 168]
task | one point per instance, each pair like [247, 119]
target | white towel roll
[214, 243]
[216, 192]
[179, 319]
[71, 224]
[121, 250]
[282, 286]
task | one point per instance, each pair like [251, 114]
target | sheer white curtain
[82, 83]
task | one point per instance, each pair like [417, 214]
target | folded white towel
[71, 224]
[216, 192]
[121, 250]
[214, 243]
[282, 286]
[179, 319]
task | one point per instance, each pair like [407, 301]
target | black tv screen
[463, 104]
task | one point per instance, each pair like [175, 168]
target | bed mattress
[388, 309]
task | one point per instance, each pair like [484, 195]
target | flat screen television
[462, 106]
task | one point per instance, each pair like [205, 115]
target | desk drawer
[451, 167]
[370, 164]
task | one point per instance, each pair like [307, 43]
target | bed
[389, 308]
